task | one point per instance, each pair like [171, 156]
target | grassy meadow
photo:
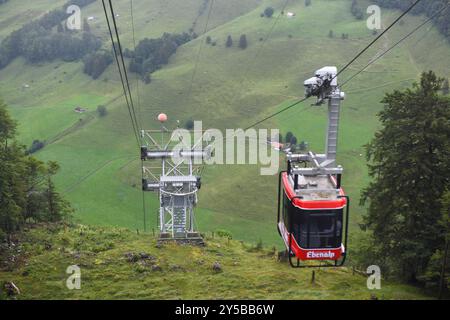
[116, 263]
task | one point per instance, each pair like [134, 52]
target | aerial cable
[128, 95]
[260, 49]
[345, 67]
[197, 59]
[144, 207]
[123, 61]
[135, 131]
[396, 44]
[271, 29]
[378, 37]
[277, 113]
[137, 76]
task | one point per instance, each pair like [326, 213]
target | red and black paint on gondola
[313, 210]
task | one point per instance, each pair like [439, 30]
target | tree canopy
[151, 54]
[243, 42]
[27, 191]
[268, 12]
[37, 41]
[409, 164]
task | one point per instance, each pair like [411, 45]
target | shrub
[229, 42]
[36, 146]
[102, 111]
[289, 136]
[243, 42]
[189, 124]
[224, 234]
[268, 12]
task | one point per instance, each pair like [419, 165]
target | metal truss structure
[174, 171]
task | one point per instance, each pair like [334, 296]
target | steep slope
[118, 264]
[232, 88]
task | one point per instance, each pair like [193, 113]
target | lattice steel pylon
[177, 180]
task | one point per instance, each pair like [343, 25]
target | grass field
[111, 268]
[232, 88]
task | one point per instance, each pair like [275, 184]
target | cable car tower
[177, 180]
[311, 201]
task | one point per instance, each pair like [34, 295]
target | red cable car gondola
[313, 224]
[313, 211]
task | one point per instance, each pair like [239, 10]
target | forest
[47, 39]
[151, 54]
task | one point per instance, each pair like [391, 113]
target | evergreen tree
[57, 207]
[102, 112]
[26, 188]
[409, 163]
[268, 12]
[289, 136]
[12, 188]
[229, 42]
[189, 124]
[243, 42]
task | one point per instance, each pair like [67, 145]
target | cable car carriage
[313, 210]
[313, 214]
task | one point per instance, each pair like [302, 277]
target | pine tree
[268, 12]
[409, 161]
[229, 42]
[189, 125]
[243, 42]
[26, 187]
[12, 188]
[289, 136]
[57, 207]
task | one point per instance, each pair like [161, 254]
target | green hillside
[100, 172]
[119, 264]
